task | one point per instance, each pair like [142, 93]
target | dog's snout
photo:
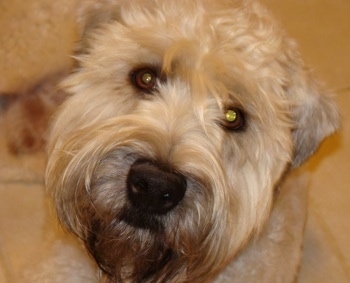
[153, 189]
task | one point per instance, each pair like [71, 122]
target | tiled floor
[322, 28]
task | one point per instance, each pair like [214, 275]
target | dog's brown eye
[234, 119]
[144, 79]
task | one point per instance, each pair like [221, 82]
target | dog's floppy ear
[314, 113]
[93, 13]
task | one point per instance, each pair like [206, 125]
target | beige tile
[319, 263]
[330, 190]
[321, 28]
[3, 272]
[22, 221]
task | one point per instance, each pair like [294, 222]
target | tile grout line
[22, 182]
[331, 241]
[340, 89]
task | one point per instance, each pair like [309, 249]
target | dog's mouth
[133, 242]
[142, 220]
[134, 254]
[142, 224]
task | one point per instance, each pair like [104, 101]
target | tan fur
[214, 55]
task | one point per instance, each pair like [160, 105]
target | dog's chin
[140, 246]
[125, 252]
[147, 240]
[134, 240]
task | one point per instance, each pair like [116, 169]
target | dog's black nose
[154, 189]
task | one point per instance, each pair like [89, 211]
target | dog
[182, 121]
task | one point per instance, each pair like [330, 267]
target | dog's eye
[234, 119]
[144, 78]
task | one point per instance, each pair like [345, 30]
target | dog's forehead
[215, 44]
[208, 25]
[196, 39]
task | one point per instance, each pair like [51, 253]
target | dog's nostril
[139, 186]
[154, 190]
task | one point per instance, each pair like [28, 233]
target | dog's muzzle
[154, 189]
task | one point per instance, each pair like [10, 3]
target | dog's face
[183, 118]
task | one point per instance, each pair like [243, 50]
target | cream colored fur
[210, 57]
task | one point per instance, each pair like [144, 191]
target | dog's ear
[93, 13]
[314, 113]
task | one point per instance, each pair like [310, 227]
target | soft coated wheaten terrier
[184, 117]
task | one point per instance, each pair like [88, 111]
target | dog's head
[183, 117]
